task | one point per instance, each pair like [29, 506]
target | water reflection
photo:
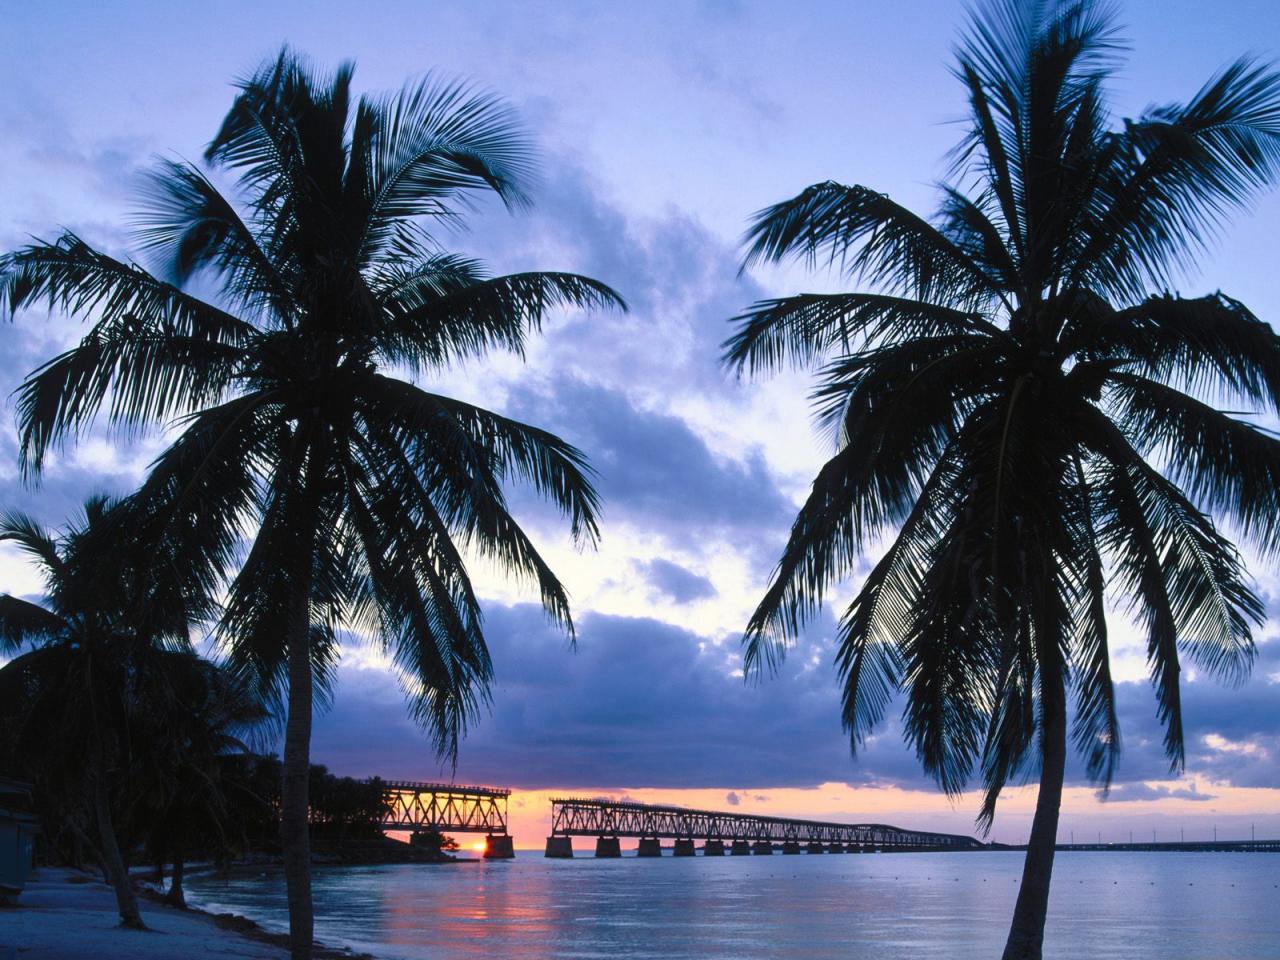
[780, 908]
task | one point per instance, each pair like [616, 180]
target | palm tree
[190, 718]
[326, 278]
[1030, 417]
[69, 696]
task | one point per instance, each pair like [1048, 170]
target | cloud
[655, 471]
[640, 702]
[1128, 792]
[732, 798]
[1232, 734]
[644, 703]
[674, 581]
[680, 280]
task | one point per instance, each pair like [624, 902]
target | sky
[661, 127]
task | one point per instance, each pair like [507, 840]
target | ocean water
[1130, 906]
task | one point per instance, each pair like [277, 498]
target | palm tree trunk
[77, 847]
[295, 827]
[112, 861]
[1026, 933]
[295, 835]
[176, 897]
[84, 842]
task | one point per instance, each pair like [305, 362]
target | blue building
[18, 825]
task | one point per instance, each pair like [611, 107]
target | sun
[478, 846]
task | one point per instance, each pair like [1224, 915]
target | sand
[66, 915]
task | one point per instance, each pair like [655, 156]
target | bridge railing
[424, 785]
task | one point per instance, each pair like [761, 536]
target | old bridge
[721, 832]
[449, 808]
[420, 807]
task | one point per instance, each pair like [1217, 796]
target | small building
[18, 825]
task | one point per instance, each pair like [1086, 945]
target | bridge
[739, 833]
[1173, 846]
[440, 807]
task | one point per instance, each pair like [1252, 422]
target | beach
[65, 914]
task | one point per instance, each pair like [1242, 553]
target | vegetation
[186, 731]
[363, 490]
[1032, 416]
[104, 658]
[342, 807]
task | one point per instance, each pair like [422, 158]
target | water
[1174, 906]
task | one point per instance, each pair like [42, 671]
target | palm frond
[35, 541]
[801, 329]
[869, 643]
[1096, 732]
[23, 623]
[447, 313]
[867, 234]
[1228, 466]
[1209, 345]
[1180, 171]
[421, 150]
[429, 618]
[189, 226]
[260, 138]
[156, 350]
[440, 428]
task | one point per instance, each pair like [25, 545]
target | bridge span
[424, 807]
[721, 832]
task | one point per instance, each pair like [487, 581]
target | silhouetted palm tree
[1032, 412]
[365, 490]
[110, 622]
[190, 718]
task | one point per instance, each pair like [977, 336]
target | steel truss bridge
[445, 807]
[610, 820]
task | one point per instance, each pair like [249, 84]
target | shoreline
[65, 913]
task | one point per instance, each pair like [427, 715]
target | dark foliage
[365, 493]
[1027, 418]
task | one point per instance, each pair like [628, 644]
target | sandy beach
[67, 915]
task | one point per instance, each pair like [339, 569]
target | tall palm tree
[326, 278]
[108, 623]
[1030, 417]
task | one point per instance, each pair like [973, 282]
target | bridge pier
[815, 847]
[791, 847]
[713, 848]
[608, 847]
[740, 848]
[649, 847]
[836, 848]
[499, 847]
[560, 848]
[683, 848]
[762, 848]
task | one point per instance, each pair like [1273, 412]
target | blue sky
[662, 127]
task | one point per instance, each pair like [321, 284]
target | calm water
[1129, 906]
